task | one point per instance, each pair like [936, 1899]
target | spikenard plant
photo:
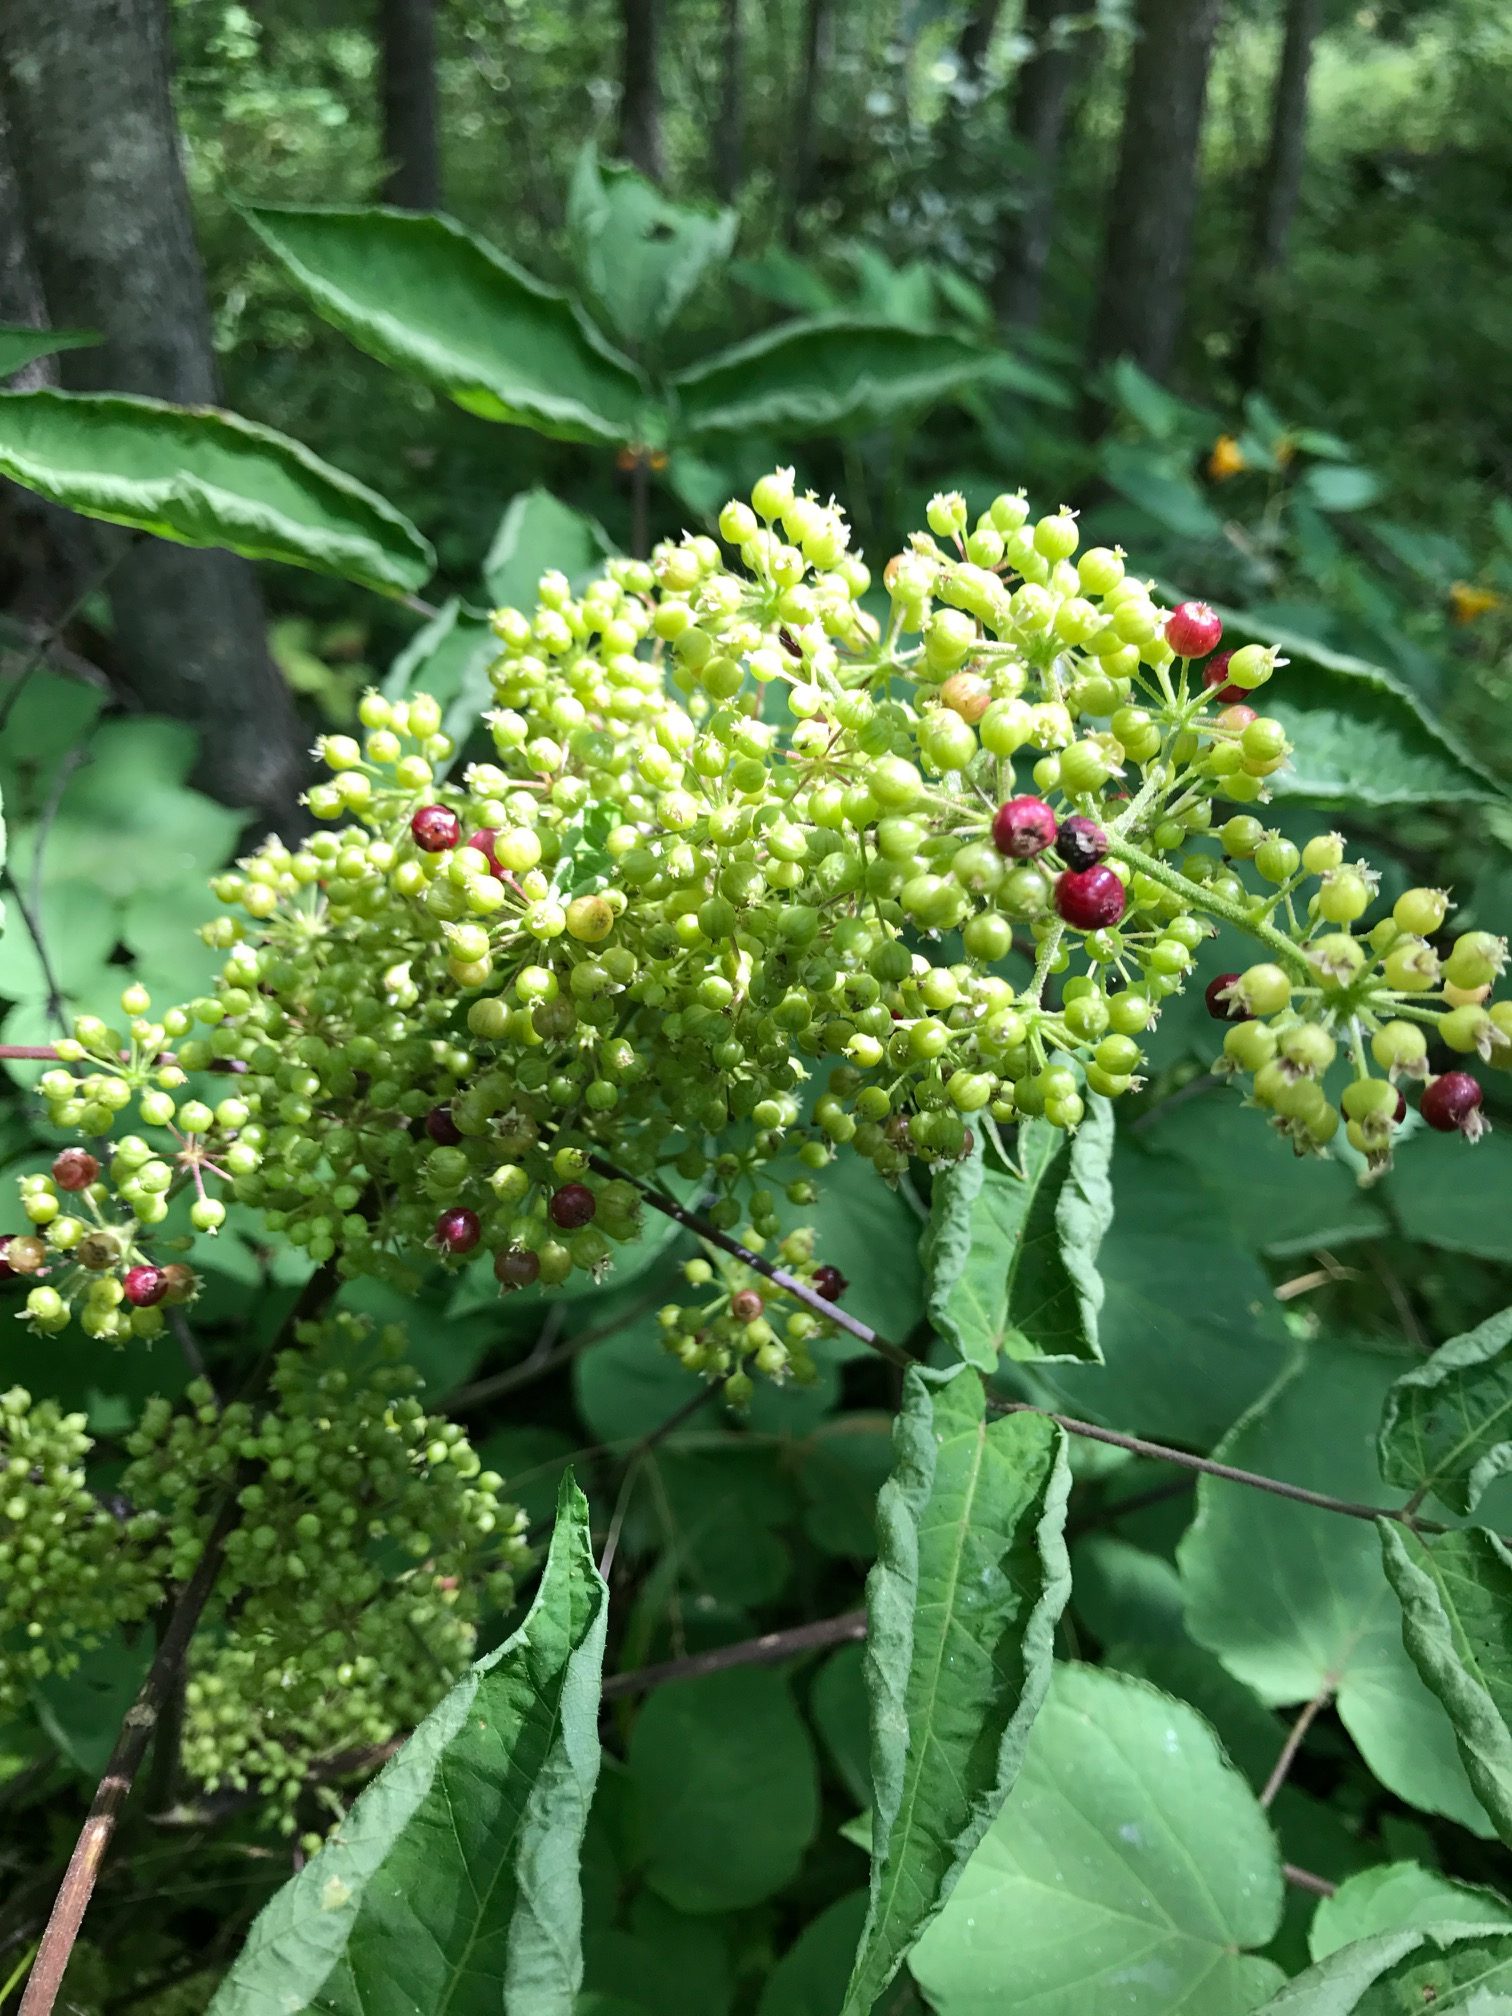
[706, 910]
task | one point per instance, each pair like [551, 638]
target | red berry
[1401, 1109]
[482, 842]
[75, 1169]
[572, 1207]
[434, 829]
[830, 1283]
[1193, 629]
[1452, 1105]
[144, 1286]
[1223, 1010]
[441, 1127]
[1215, 673]
[1080, 842]
[458, 1230]
[1024, 826]
[1090, 898]
[516, 1267]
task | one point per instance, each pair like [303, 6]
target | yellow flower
[1226, 460]
[1467, 602]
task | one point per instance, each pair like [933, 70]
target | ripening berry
[1023, 827]
[144, 1287]
[1080, 842]
[182, 1284]
[516, 1267]
[1215, 678]
[572, 1207]
[434, 829]
[1222, 1004]
[442, 1128]
[458, 1230]
[829, 1282]
[1090, 898]
[1451, 1104]
[746, 1305]
[75, 1169]
[483, 842]
[1193, 629]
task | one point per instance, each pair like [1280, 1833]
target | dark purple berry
[75, 1169]
[572, 1207]
[1023, 827]
[1080, 842]
[1090, 898]
[434, 829]
[1222, 1006]
[144, 1286]
[1215, 674]
[830, 1283]
[1451, 1104]
[458, 1230]
[516, 1267]
[441, 1127]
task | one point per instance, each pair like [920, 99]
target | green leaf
[1338, 487]
[724, 1793]
[1011, 1260]
[970, 1582]
[1455, 1201]
[1361, 737]
[1293, 1600]
[20, 347]
[205, 478]
[640, 255]
[1132, 1867]
[810, 1977]
[829, 372]
[1174, 501]
[1448, 1968]
[837, 1702]
[426, 297]
[453, 1882]
[1400, 1897]
[1456, 1595]
[539, 532]
[1447, 1425]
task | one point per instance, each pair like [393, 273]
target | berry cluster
[735, 886]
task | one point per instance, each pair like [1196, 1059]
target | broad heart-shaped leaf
[1456, 1595]
[423, 295]
[1360, 736]
[1397, 1897]
[639, 255]
[453, 1883]
[1450, 1969]
[20, 347]
[204, 478]
[1131, 1870]
[538, 532]
[1447, 1427]
[1011, 1258]
[826, 372]
[1293, 1599]
[970, 1581]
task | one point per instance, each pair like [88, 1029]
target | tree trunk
[411, 129]
[1149, 229]
[806, 117]
[975, 39]
[729, 133]
[1281, 177]
[85, 90]
[640, 131]
[1037, 123]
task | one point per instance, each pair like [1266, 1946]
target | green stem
[1196, 897]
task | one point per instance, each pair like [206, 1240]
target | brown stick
[72, 1901]
[768, 1650]
[1304, 1879]
[1294, 1739]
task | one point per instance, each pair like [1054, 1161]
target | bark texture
[1149, 228]
[411, 123]
[729, 132]
[1281, 177]
[85, 92]
[1037, 124]
[640, 125]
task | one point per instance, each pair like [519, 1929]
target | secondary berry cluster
[737, 881]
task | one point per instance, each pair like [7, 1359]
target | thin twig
[188, 1343]
[43, 643]
[1294, 1740]
[1304, 1879]
[541, 1364]
[768, 1650]
[633, 1463]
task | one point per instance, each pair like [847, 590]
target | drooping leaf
[724, 1794]
[1455, 1590]
[970, 1582]
[1132, 1860]
[1361, 737]
[1293, 1599]
[1400, 1897]
[825, 373]
[1011, 1259]
[640, 255]
[424, 296]
[1447, 1426]
[204, 478]
[20, 347]
[453, 1882]
[1462, 1969]
[536, 533]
